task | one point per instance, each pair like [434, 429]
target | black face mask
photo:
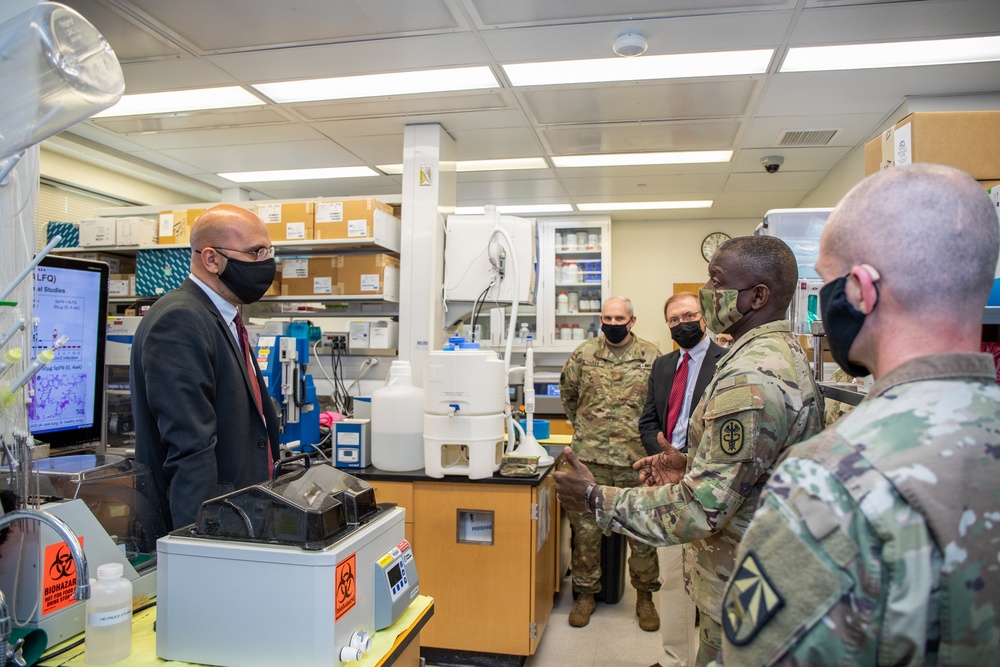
[687, 334]
[615, 333]
[248, 280]
[842, 323]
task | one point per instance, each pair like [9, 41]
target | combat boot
[584, 607]
[649, 620]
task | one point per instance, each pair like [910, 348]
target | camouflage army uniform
[878, 541]
[603, 393]
[762, 400]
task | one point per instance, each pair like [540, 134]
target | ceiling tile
[261, 156]
[368, 57]
[519, 12]
[645, 137]
[401, 106]
[764, 131]
[643, 186]
[178, 123]
[130, 39]
[525, 191]
[233, 136]
[255, 24]
[639, 102]
[486, 144]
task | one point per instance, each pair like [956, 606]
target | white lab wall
[648, 257]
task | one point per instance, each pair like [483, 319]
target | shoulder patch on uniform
[751, 601]
[731, 436]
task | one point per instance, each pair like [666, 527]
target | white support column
[428, 198]
[235, 194]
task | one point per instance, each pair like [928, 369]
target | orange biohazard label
[346, 587]
[58, 578]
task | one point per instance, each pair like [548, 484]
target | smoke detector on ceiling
[629, 45]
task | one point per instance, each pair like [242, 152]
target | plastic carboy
[398, 422]
[108, 635]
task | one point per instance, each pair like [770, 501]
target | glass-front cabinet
[574, 279]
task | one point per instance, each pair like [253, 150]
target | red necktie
[676, 400]
[252, 372]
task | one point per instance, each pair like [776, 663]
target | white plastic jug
[108, 636]
[397, 426]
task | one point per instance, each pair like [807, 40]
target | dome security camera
[629, 45]
[772, 163]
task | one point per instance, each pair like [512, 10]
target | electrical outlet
[335, 342]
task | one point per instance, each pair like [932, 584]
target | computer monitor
[70, 297]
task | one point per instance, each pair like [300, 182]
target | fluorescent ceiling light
[298, 174]
[643, 68]
[631, 159]
[380, 85]
[644, 205]
[174, 101]
[505, 164]
[515, 209]
[892, 54]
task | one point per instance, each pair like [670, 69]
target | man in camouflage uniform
[603, 388]
[878, 541]
[761, 401]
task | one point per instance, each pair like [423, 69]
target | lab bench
[397, 645]
[487, 552]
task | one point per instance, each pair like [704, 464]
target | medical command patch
[751, 601]
[731, 436]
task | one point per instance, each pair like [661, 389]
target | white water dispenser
[465, 395]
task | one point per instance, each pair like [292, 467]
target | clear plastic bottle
[108, 633]
[523, 333]
[397, 425]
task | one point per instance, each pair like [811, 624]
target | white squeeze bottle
[398, 422]
[108, 631]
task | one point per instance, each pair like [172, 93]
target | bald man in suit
[664, 424]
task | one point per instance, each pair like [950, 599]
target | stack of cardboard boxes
[339, 275]
[966, 140]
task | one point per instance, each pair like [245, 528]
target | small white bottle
[593, 241]
[524, 332]
[108, 634]
[562, 303]
[574, 302]
[578, 333]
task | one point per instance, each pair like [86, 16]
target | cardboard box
[175, 226]
[357, 219]
[966, 140]
[121, 284]
[316, 276]
[292, 221]
[118, 263]
[369, 275]
[69, 231]
[157, 271]
[134, 231]
[98, 232]
[275, 288]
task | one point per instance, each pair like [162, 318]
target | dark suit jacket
[196, 424]
[661, 379]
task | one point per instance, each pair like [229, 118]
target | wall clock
[711, 242]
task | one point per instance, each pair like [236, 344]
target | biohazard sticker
[346, 586]
[731, 436]
[58, 578]
[751, 601]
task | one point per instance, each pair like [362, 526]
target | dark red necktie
[241, 331]
[676, 400]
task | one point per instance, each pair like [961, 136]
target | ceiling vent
[806, 137]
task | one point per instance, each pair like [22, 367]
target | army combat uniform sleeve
[740, 441]
[569, 385]
[822, 580]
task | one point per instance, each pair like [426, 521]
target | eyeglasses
[686, 317]
[260, 253]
